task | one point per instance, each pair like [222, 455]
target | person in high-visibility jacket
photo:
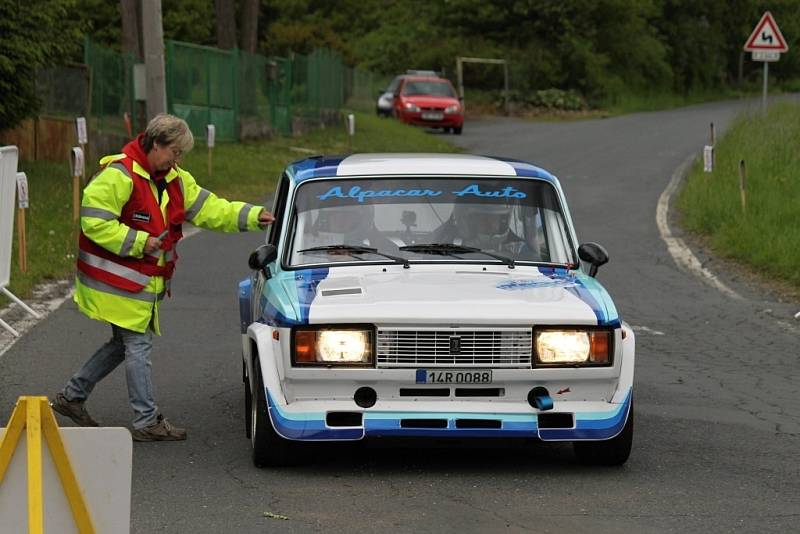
[131, 218]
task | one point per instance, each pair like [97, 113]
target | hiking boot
[161, 430]
[75, 410]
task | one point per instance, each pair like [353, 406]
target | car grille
[455, 347]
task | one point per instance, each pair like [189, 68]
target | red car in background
[429, 101]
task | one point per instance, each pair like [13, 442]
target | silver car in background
[383, 108]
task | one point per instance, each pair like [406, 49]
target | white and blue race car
[430, 295]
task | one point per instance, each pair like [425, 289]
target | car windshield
[432, 88]
[492, 220]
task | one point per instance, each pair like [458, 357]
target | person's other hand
[152, 245]
[265, 218]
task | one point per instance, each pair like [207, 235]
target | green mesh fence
[280, 94]
[318, 83]
[207, 85]
[362, 88]
[111, 87]
[202, 87]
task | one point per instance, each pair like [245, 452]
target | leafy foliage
[28, 41]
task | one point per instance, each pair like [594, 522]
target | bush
[557, 99]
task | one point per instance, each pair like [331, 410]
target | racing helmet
[483, 221]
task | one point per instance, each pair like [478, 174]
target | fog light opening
[365, 397]
[540, 398]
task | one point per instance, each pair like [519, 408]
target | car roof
[414, 78]
[414, 164]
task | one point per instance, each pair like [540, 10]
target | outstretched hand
[265, 218]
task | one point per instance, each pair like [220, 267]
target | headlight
[345, 346]
[410, 106]
[573, 347]
[451, 109]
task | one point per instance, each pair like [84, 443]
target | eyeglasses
[175, 151]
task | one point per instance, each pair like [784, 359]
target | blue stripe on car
[277, 311]
[523, 168]
[590, 292]
[315, 167]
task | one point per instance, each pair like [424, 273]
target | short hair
[166, 129]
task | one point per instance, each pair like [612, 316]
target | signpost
[767, 44]
[211, 134]
[22, 204]
[77, 171]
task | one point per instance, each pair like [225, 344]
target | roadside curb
[682, 255]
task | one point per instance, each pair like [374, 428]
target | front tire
[614, 451]
[457, 130]
[269, 449]
[248, 403]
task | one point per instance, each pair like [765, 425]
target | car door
[273, 238]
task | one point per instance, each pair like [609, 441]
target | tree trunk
[131, 43]
[226, 23]
[249, 24]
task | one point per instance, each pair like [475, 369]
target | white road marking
[647, 330]
[682, 255]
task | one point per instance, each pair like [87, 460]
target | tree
[32, 36]
[249, 23]
[226, 23]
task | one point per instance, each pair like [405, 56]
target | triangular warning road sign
[766, 36]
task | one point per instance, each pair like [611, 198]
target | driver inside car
[483, 226]
[348, 225]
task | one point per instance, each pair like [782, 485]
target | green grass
[246, 171]
[766, 236]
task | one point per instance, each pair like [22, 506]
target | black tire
[269, 449]
[614, 451]
[446, 130]
[248, 402]
[457, 130]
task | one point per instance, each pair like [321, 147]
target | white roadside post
[767, 44]
[83, 134]
[211, 134]
[76, 156]
[351, 130]
[22, 205]
[708, 152]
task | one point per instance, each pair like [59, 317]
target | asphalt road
[718, 411]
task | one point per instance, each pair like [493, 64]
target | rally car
[430, 295]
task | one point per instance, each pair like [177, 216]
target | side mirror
[261, 257]
[594, 254]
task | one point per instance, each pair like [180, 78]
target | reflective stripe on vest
[114, 268]
[97, 285]
[245, 211]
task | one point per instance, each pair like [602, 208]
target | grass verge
[245, 171]
[766, 235]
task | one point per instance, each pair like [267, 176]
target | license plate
[454, 376]
[432, 116]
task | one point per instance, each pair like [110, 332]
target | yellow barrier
[35, 415]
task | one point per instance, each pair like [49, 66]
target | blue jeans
[134, 349]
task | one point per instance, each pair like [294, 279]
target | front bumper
[448, 121]
[591, 420]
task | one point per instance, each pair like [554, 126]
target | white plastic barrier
[8, 189]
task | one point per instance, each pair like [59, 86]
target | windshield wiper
[356, 249]
[449, 249]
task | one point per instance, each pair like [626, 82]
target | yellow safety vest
[103, 200]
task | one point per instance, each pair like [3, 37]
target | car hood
[522, 296]
[428, 101]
